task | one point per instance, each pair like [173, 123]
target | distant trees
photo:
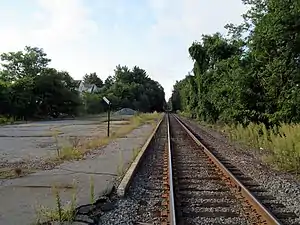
[29, 88]
[131, 89]
[252, 75]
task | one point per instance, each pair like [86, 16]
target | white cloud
[186, 21]
[74, 36]
[63, 21]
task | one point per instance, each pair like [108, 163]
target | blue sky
[82, 36]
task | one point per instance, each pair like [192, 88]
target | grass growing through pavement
[78, 148]
[92, 190]
[9, 173]
[63, 213]
[60, 213]
[121, 166]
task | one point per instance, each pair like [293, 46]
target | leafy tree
[134, 89]
[20, 64]
[253, 74]
[29, 89]
[55, 94]
[92, 78]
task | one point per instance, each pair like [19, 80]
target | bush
[6, 120]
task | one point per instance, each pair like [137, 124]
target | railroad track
[199, 188]
[179, 181]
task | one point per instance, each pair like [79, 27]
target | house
[83, 87]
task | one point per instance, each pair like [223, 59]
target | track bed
[180, 181]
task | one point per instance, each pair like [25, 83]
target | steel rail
[171, 187]
[266, 217]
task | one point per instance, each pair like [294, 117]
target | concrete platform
[35, 140]
[20, 198]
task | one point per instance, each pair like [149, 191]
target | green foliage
[92, 78]
[6, 120]
[252, 75]
[282, 142]
[29, 89]
[93, 103]
[127, 89]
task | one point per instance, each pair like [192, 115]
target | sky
[84, 36]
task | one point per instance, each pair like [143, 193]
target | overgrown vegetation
[252, 75]
[250, 78]
[30, 89]
[282, 143]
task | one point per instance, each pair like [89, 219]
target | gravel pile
[282, 186]
[143, 201]
[203, 196]
[125, 111]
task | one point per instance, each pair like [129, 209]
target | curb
[123, 186]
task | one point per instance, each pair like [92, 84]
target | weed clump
[60, 213]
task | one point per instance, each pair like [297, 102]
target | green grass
[281, 144]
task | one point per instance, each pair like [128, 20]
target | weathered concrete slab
[21, 197]
[35, 140]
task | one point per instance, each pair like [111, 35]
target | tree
[30, 89]
[252, 75]
[20, 64]
[4, 98]
[134, 89]
[55, 94]
[92, 78]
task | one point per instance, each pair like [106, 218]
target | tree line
[250, 75]
[30, 89]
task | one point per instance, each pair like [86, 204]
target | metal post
[108, 119]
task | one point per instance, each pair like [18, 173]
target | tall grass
[282, 143]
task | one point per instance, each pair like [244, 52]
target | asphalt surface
[24, 197]
[37, 139]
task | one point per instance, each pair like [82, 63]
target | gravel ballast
[202, 196]
[285, 187]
